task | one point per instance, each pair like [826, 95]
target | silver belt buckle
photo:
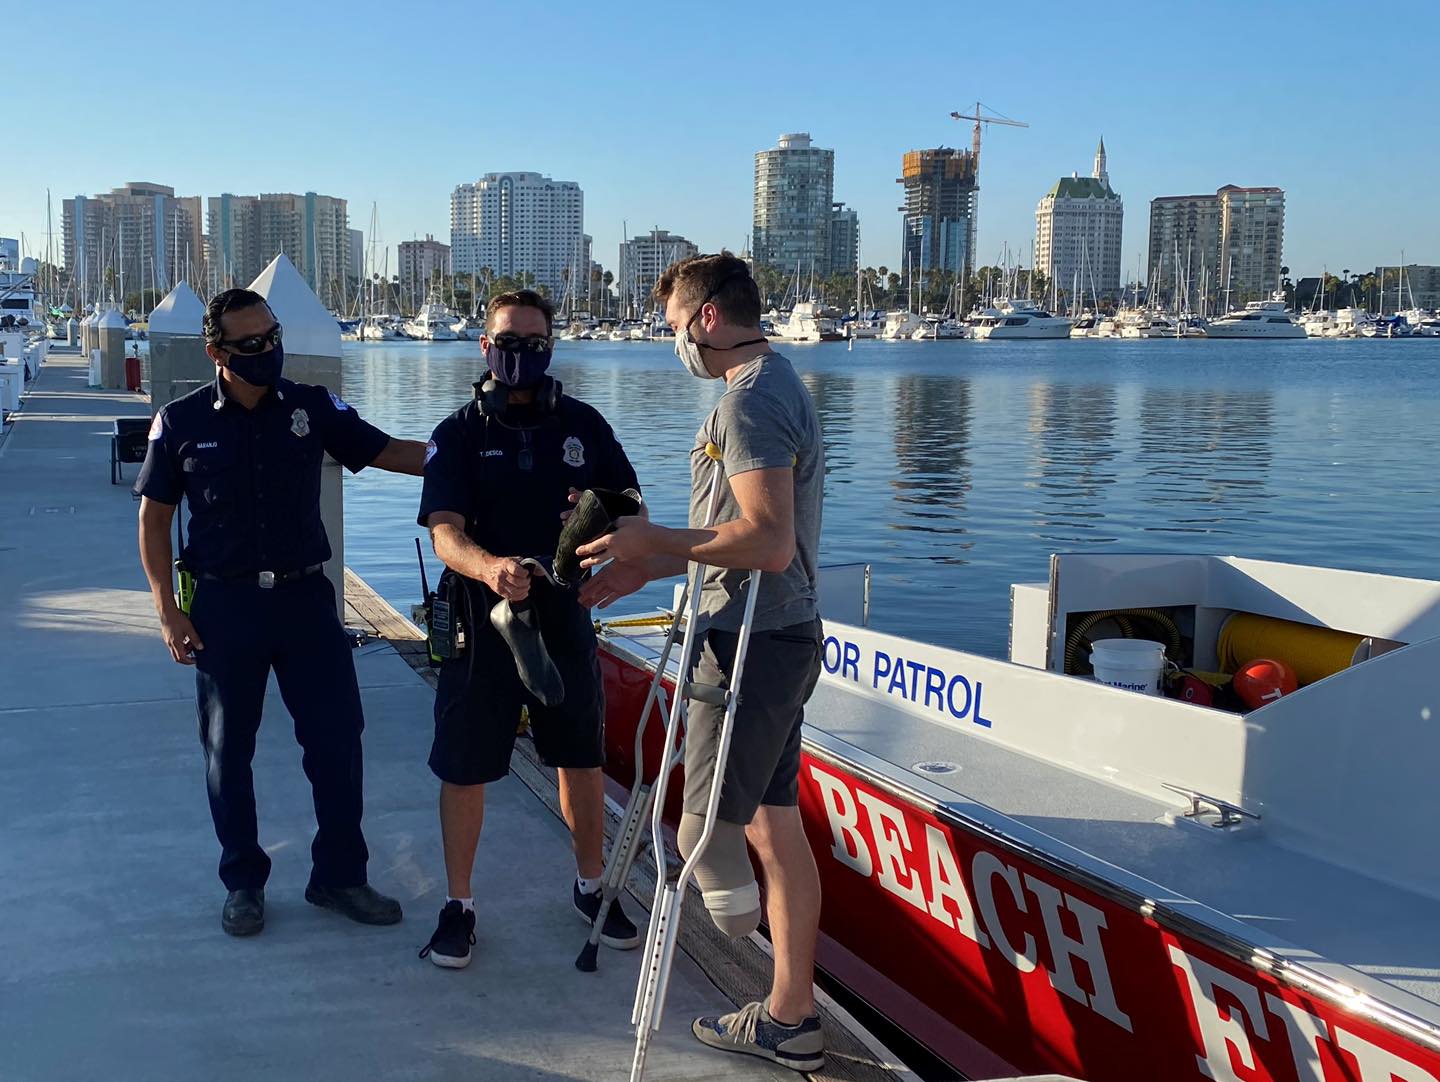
[267, 580]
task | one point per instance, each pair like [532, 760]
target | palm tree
[608, 279]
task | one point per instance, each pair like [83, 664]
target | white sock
[588, 886]
[467, 903]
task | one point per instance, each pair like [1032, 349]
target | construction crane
[980, 118]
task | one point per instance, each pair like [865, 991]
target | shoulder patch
[157, 427]
[430, 450]
[338, 402]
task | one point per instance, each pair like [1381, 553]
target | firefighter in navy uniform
[246, 453]
[499, 475]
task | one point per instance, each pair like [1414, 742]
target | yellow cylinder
[1312, 652]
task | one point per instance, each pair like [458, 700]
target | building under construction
[941, 191]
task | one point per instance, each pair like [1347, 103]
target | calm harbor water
[957, 468]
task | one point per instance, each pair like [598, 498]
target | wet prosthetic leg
[594, 515]
[519, 625]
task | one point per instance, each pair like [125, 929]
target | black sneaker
[244, 912]
[619, 932]
[450, 946]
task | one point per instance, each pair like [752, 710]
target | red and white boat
[1028, 871]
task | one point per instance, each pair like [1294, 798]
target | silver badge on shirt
[300, 423]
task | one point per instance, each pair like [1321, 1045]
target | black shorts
[479, 698]
[781, 670]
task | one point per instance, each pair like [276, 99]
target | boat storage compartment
[1199, 594]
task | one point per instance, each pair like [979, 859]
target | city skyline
[657, 152]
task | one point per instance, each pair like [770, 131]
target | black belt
[266, 579]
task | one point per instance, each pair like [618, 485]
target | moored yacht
[808, 324]
[900, 325]
[1143, 323]
[935, 330]
[1019, 319]
[376, 328]
[433, 323]
[1258, 319]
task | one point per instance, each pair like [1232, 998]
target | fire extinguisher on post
[132, 369]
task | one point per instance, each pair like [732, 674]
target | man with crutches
[766, 435]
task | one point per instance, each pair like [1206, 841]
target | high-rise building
[1078, 226]
[844, 239]
[938, 231]
[794, 196]
[247, 231]
[1228, 246]
[420, 262]
[1414, 285]
[519, 223]
[465, 229]
[1184, 245]
[643, 259]
[357, 253]
[141, 233]
[1252, 241]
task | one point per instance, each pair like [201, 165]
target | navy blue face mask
[517, 362]
[259, 369]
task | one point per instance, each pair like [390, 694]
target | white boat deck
[115, 963]
[1362, 932]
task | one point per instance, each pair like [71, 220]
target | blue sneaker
[752, 1031]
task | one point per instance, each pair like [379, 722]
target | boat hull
[996, 334]
[1222, 330]
[1004, 956]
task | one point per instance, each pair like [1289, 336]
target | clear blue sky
[657, 110]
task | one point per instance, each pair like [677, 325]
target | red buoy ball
[1264, 680]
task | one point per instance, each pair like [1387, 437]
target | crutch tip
[585, 962]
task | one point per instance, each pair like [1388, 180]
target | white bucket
[1129, 664]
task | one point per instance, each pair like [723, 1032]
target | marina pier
[116, 965]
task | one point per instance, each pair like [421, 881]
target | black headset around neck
[494, 396]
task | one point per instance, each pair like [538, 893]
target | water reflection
[1206, 457]
[932, 417]
[834, 397]
[1073, 450]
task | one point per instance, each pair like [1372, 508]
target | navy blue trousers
[292, 629]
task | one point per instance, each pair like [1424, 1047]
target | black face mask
[259, 369]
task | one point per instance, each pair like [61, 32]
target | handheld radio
[443, 626]
[184, 577]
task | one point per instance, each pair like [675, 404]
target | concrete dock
[115, 965]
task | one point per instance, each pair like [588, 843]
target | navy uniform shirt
[511, 483]
[252, 477]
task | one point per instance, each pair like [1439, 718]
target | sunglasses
[255, 343]
[535, 343]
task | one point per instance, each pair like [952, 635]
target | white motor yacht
[378, 329]
[1019, 319]
[937, 330]
[900, 325]
[1258, 319]
[1141, 323]
[807, 324]
[433, 323]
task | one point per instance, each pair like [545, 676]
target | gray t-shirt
[765, 420]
